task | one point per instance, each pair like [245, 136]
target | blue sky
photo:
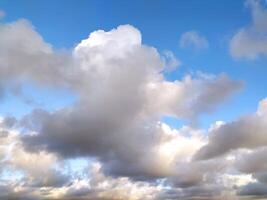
[161, 22]
[66, 23]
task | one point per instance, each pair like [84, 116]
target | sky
[133, 100]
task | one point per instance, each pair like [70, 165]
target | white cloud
[193, 39]
[122, 95]
[20, 171]
[251, 42]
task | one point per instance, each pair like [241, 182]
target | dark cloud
[257, 190]
[9, 122]
[254, 161]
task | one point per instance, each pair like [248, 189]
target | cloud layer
[111, 143]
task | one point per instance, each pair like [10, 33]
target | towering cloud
[121, 102]
[115, 125]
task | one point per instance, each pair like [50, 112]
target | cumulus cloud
[101, 186]
[193, 39]
[22, 171]
[243, 143]
[25, 56]
[115, 124]
[246, 132]
[88, 70]
[251, 42]
[122, 101]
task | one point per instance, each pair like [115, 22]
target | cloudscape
[133, 100]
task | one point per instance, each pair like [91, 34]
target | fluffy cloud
[122, 95]
[105, 187]
[253, 162]
[25, 56]
[251, 42]
[105, 62]
[193, 39]
[243, 142]
[246, 132]
[121, 102]
[21, 171]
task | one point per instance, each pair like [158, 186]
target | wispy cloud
[2, 14]
[194, 40]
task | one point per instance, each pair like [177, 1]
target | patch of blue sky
[161, 22]
[11, 175]
[50, 99]
[173, 121]
[79, 167]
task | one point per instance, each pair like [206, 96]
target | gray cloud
[120, 104]
[121, 97]
[254, 161]
[251, 42]
[75, 131]
[256, 190]
[246, 132]
[25, 56]
[29, 171]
